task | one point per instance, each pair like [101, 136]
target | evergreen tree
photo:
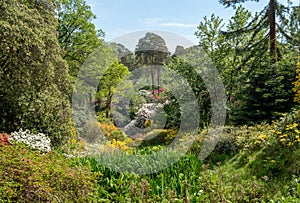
[257, 89]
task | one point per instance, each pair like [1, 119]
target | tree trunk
[108, 104]
[272, 19]
[152, 78]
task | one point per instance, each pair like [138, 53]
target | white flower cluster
[38, 141]
[146, 112]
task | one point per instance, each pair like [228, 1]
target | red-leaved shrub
[4, 139]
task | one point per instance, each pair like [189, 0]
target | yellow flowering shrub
[288, 136]
[107, 128]
[262, 138]
[115, 145]
[111, 132]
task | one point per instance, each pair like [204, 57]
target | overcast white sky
[119, 17]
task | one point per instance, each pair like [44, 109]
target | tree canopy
[77, 35]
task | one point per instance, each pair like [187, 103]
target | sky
[119, 17]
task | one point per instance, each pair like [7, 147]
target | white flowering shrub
[146, 112]
[38, 141]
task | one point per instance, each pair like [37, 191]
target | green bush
[33, 77]
[28, 176]
[234, 139]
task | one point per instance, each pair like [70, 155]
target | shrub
[172, 133]
[91, 132]
[287, 130]
[116, 145]
[28, 176]
[155, 137]
[4, 139]
[234, 139]
[107, 128]
[37, 141]
[33, 77]
[111, 132]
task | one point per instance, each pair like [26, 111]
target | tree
[107, 86]
[264, 89]
[195, 81]
[290, 26]
[268, 18]
[152, 51]
[271, 19]
[297, 84]
[264, 93]
[33, 75]
[77, 34]
[226, 51]
[257, 90]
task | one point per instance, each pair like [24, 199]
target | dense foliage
[257, 88]
[33, 75]
[28, 176]
[77, 34]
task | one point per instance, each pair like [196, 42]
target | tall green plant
[33, 76]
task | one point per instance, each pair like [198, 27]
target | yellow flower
[297, 131]
[119, 145]
[204, 132]
[257, 142]
[283, 136]
[73, 141]
[155, 148]
[262, 137]
[273, 161]
[291, 126]
[283, 140]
